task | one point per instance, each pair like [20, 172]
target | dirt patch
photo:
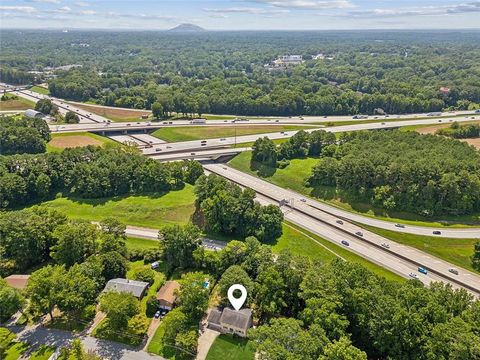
[64, 142]
[14, 105]
[431, 129]
[475, 142]
[115, 114]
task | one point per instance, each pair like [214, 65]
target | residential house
[229, 321]
[166, 296]
[134, 287]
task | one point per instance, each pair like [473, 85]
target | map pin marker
[237, 303]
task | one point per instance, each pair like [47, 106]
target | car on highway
[129, 124]
[165, 122]
[223, 139]
[422, 270]
[303, 200]
[437, 232]
[192, 153]
[385, 245]
[453, 271]
[158, 149]
[169, 147]
[413, 275]
[477, 111]
[345, 242]
[340, 222]
[400, 226]
[359, 233]
[203, 141]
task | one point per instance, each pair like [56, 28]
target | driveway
[204, 342]
[38, 335]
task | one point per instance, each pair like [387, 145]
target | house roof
[17, 281]
[238, 319]
[214, 316]
[167, 292]
[136, 288]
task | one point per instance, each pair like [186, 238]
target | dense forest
[23, 135]
[227, 72]
[89, 172]
[423, 174]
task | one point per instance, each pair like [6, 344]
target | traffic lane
[279, 194]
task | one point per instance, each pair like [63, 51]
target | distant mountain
[187, 28]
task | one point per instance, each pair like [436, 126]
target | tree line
[406, 171]
[90, 172]
[400, 72]
[458, 131]
[19, 135]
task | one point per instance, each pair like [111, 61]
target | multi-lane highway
[399, 258]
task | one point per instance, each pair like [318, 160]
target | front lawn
[232, 348]
[151, 211]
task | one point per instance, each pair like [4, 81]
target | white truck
[199, 121]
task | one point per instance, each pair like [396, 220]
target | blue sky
[241, 14]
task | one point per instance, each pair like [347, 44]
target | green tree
[193, 296]
[11, 301]
[114, 265]
[178, 244]
[342, 349]
[264, 151]
[119, 307]
[71, 118]
[236, 275]
[476, 256]
[157, 110]
[144, 274]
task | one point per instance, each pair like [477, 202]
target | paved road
[38, 335]
[369, 245]
[152, 234]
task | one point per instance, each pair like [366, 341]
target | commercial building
[34, 114]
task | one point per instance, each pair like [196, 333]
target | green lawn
[293, 177]
[156, 346]
[300, 241]
[185, 133]
[16, 104]
[456, 251]
[152, 211]
[43, 353]
[61, 141]
[40, 90]
[140, 244]
[231, 348]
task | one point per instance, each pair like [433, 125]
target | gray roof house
[230, 321]
[134, 287]
[34, 113]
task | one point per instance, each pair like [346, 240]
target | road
[398, 258]
[38, 335]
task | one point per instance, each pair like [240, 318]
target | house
[166, 296]
[444, 90]
[134, 287]
[17, 281]
[229, 321]
[286, 60]
[34, 114]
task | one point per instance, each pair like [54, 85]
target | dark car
[345, 242]
[359, 233]
[437, 232]
[339, 222]
[400, 225]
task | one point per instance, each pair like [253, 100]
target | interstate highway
[369, 245]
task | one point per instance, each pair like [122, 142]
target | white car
[413, 275]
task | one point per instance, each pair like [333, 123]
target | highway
[399, 258]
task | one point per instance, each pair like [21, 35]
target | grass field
[186, 133]
[40, 90]
[115, 114]
[78, 139]
[140, 244]
[16, 104]
[232, 348]
[293, 176]
[456, 251]
[152, 211]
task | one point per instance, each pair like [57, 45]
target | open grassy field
[40, 90]
[16, 104]
[151, 211]
[232, 348]
[293, 177]
[114, 114]
[186, 133]
[456, 251]
[80, 139]
[140, 244]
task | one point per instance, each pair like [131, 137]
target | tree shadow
[262, 170]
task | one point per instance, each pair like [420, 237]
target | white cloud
[87, 12]
[308, 4]
[21, 9]
[247, 10]
[82, 3]
[470, 7]
[46, 1]
[63, 9]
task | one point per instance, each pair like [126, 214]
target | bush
[144, 274]
[152, 306]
